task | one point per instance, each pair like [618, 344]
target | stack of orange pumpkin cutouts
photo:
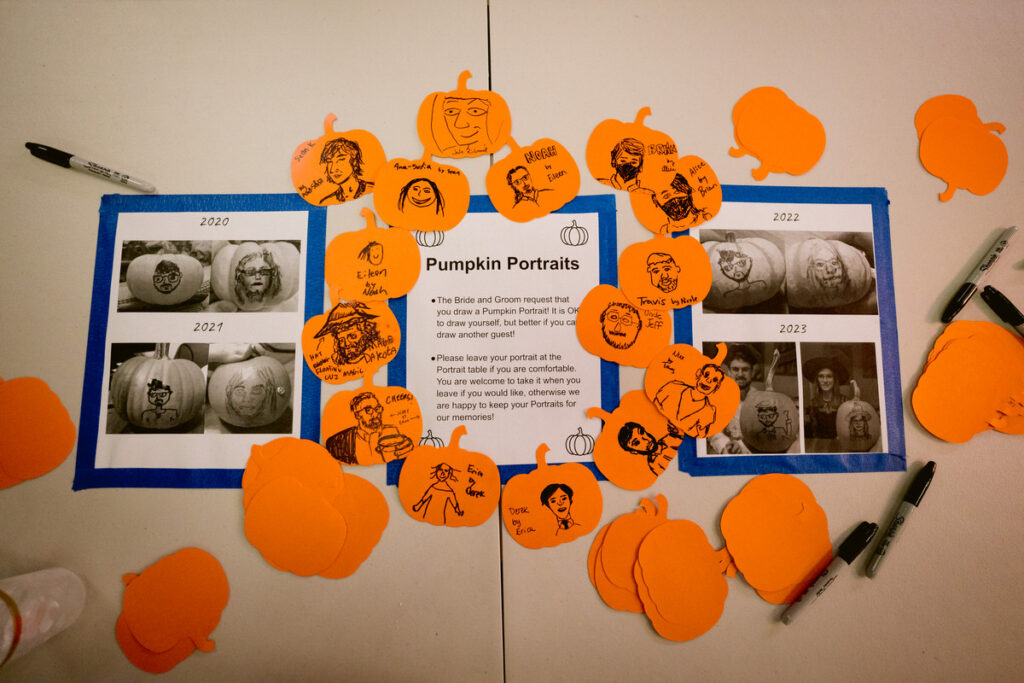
[304, 514]
[169, 610]
[776, 131]
[776, 535]
[973, 381]
[36, 432]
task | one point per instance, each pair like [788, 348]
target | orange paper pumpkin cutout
[449, 486]
[533, 181]
[612, 328]
[679, 199]
[691, 390]
[421, 195]
[665, 272]
[371, 425]
[371, 264]
[973, 381]
[769, 420]
[336, 167]
[621, 154]
[36, 432]
[615, 551]
[779, 133]
[964, 154]
[180, 597]
[680, 581]
[147, 660]
[255, 276]
[351, 340]
[953, 106]
[287, 456]
[463, 122]
[746, 271]
[551, 505]
[636, 444]
[777, 535]
[366, 513]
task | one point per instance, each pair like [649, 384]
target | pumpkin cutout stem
[512, 145]
[329, 124]
[459, 431]
[463, 79]
[641, 115]
[770, 375]
[720, 351]
[541, 453]
[599, 413]
[725, 562]
[371, 220]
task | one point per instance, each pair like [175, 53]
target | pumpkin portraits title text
[510, 263]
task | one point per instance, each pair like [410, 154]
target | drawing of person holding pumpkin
[558, 499]
[361, 444]
[343, 165]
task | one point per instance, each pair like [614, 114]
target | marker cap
[920, 485]
[856, 541]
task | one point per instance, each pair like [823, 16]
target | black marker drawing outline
[343, 159]
[166, 276]
[442, 473]
[633, 437]
[616, 324]
[664, 271]
[556, 503]
[360, 443]
[688, 406]
[437, 201]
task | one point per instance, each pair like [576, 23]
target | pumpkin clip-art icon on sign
[463, 122]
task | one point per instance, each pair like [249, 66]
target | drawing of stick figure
[443, 475]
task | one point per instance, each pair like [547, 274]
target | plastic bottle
[35, 607]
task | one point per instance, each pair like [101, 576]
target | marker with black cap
[911, 500]
[848, 551]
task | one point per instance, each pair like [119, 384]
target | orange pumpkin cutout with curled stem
[965, 154]
[371, 264]
[678, 199]
[776, 131]
[954, 106]
[551, 505]
[533, 181]
[371, 425]
[612, 328]
[665, 273]
[462, 122]
[449, 486]
[352, 339]
[336, 167]
[636, 444]
[691, 390]
[421, 195]
[620, 154]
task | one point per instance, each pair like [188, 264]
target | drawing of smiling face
[466, 119]
[620, 325]
[827, 269]
[560, 503]
[859, 422]
[339, 167]
[443, 472]
[166, 277]
[421, 194]
[767, 414]
[158, 393]
[735, 265]
[664, 272]
[709, 378]
[255, 275]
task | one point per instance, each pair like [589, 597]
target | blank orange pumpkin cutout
[36, 431]
[612, 328]
[147, 660]
[421, 195]
[551, 505]
[462, 122]
[449, 486]
[665, 273]
[366, 512]
[371, 264]
[680, 581]
[371, 425]
[352, 339]
[973, 381]
[533, 181]
[636, 444]
[621, 154]
[777, 535]
[776, 131]
[180, 597]
[678, 199]
[336, 167]
[287, 456]
[691, 390]
[958, 148]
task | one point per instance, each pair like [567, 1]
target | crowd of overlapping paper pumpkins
[308, 517]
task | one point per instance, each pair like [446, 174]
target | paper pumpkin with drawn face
[462, 122]
[336, 167]
[352, 339]
[691, 390]
[533, 181]
[637, 443]
[551, 505]
[679, 199]
[665, 272]
[612, 328]
[371, 264]
[619, 153]
[371, 425]
[421, 195]
[449, 485]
